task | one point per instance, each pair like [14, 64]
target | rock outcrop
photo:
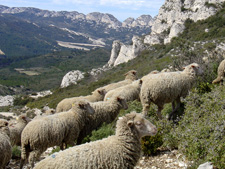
[6, 100]
[172, 15]
[122, 53]
[71, 78]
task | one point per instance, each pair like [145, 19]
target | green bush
[200, 134]
[16, 153]
[151, 143]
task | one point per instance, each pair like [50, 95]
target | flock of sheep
[77, 117]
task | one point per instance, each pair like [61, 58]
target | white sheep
[168, 87]
[105, 112]
[129, 92]
[66, 104]
[129, 78]
[17, 128]
[5, 145]
[120, 151]
[220, 73]
[53, 130]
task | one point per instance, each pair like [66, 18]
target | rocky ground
[165, 159]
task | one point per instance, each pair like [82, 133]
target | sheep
[5, 145]
[53, 130]
[220, 72]
[17, 128]
[129, 92]
[120, 151]
[129, 78]
[66, 104]
[168, 87]
[105, 112]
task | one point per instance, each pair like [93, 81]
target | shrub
[151, 143]
[16, 152]
[200, 134]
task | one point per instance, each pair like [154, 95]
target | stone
[6, 100]
[207, 165]
[71, 78]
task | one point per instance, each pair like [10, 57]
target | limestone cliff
[172, 15]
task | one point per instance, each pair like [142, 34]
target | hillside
[32, 31]
[197, 132]
[44, 72]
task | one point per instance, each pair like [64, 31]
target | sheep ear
[6, 123]
[99, 91]
[193, 66]
[81, 105]
[130, 123]
[183, 68]
[23, 117]
[134, 73]
[141, 81]
[118, 99]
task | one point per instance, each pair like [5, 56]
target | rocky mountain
[50, 30]
[172, 15]
[168, 24]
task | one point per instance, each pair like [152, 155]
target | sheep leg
[175, 108]
[25, 151]
[34, 156]
[159, 114]
[145, 109]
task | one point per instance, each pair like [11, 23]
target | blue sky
[121, 9]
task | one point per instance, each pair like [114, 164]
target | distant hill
[32, 31]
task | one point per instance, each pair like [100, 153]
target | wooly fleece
[53, 130]
[220, 73]
[17, 128]
[129, 92]
[129, 78]
[5, 145]
[168, 87]
[105, 112]
[66, 104]
[120, 151]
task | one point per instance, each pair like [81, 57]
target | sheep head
[4, 127]
[141, 125]
[122, 102]
[23, 118]
[132, 75]
[194, 69]
[85, 106]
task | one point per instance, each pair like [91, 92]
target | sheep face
[194, 68]
[142, 125]
[86, 107]
[122, 102]
[24, 119]
[4, 127]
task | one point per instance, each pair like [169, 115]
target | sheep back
[16, 129]
[220, 72]
[5, 145]
[105, 112]
[66, 104]
[129, 92]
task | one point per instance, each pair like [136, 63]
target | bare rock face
[6, 100]
[71, 78]
[1, 52]
[122, 53]
[172, 15]
[116, 46]
[143, 20]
